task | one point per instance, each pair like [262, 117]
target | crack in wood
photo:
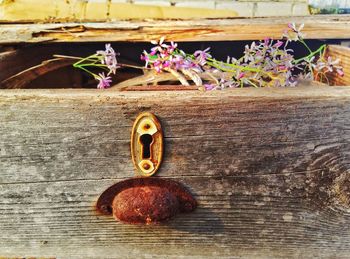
[190, 30]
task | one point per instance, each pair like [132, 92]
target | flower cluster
[167, 57]
[326, 65]
[105, 59]
[264, 64]
[108, 58]
[316, 65]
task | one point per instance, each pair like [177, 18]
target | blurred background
[109, 10]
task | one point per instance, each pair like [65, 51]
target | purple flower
[202, 56]
[282, 67]
[104, 81]
[278, 44]
[209, 87]
[340, 71]
[112, 65]
[164, 54]
[172, 47]
[166, 63]
[158, 66]
[240, 75]
[160, 42]
[108, 58]
[294, 27]
[155, 49]
[191, 65]
[293, 33]
[177, 61]
[329, 65]
[266, 42]
[145, 57]
[159, 46]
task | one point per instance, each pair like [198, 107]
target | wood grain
[316, 27]
[270, 169]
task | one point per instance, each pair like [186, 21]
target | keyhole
[146, 141]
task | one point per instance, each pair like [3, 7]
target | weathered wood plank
[316, 27]
[270, 169]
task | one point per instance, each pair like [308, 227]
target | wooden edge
[342, 53]
[161, 88]
[96, 95]
[316, 27]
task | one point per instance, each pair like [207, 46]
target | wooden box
[270, 167]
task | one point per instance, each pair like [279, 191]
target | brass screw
[146, 166]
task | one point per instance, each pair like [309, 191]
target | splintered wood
[316, 27]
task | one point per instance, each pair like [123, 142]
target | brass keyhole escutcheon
[147, 144]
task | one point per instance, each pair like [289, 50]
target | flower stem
[72, 57]
[313, 53]
[132, 66]
[84, 69]
[93, 57]
[213, 63]
[306, 46]
[91, 65]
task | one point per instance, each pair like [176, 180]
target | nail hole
[146, 141]
[147, 126]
